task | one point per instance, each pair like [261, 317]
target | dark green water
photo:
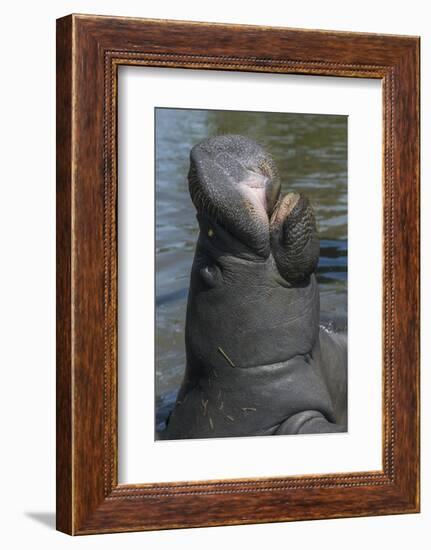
[311, 155]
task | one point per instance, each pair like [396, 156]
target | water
[311, 156]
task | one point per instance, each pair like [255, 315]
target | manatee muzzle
[234, 182]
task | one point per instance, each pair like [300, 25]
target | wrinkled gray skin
[257, 362]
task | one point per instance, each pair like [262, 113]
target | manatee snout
[235, 186]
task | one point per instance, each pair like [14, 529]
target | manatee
[257, 361]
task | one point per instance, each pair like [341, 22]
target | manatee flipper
[308, 422]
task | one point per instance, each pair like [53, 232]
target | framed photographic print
[237, 274]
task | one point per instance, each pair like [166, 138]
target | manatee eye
[210, 232]
[211, 275]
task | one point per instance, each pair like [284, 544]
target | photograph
[251, 278]
[237, 257]
[213, 322]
